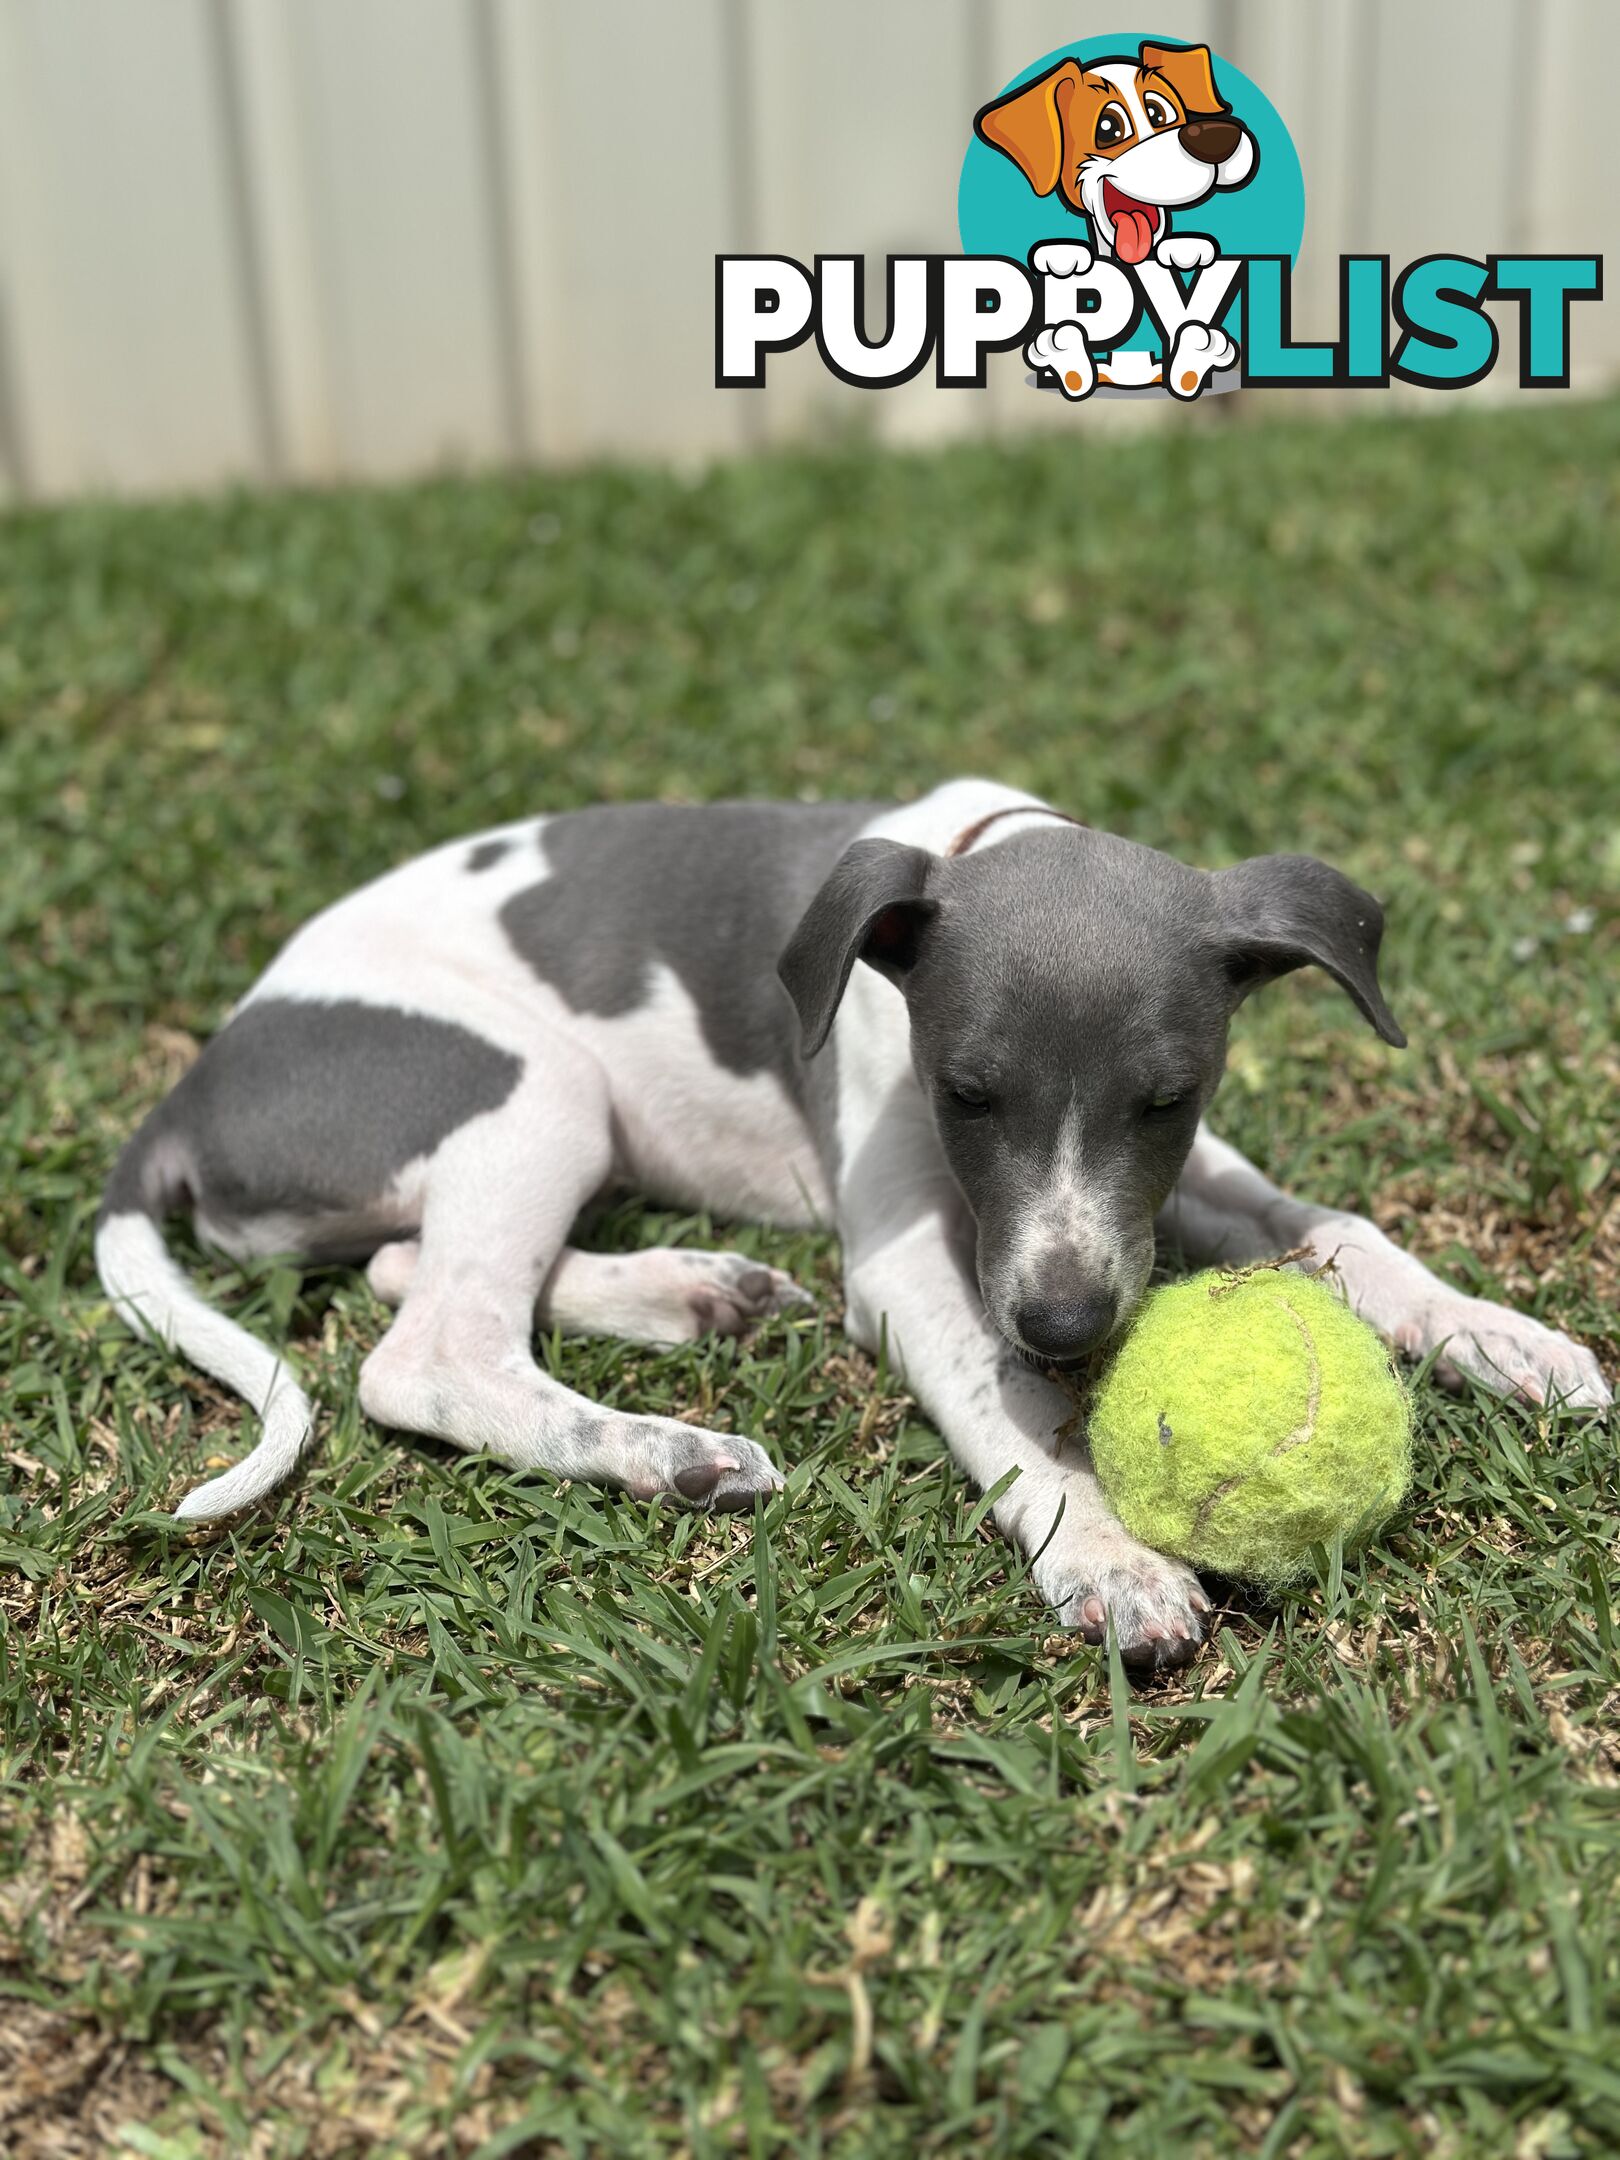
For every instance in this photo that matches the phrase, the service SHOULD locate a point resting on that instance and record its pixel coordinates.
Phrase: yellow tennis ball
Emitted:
(1248, 1417)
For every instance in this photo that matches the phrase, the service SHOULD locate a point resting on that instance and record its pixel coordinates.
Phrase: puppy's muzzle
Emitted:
(1212, 142)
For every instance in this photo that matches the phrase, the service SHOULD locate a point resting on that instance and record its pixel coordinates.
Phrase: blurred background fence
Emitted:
(304, 239)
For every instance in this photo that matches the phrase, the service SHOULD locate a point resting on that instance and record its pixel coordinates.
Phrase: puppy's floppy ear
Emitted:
(1187, 69)
(1029, 123)
(871, 908)
(1280, 912)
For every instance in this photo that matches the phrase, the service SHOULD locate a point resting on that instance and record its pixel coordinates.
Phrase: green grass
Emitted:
(436, 1810)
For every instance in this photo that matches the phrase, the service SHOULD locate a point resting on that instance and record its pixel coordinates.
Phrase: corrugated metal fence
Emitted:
(298, 239)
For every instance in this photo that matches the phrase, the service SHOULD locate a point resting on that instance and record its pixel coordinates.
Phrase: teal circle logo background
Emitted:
(999, 213)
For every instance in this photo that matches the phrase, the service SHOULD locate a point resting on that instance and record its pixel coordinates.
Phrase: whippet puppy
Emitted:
(971, 1035)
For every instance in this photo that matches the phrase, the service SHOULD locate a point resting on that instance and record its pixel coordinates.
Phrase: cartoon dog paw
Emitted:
(1185, 251)
(1062, 258)
(1200, 349)
(1064, 350)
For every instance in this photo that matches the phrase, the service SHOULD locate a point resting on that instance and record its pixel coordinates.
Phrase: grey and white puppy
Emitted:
(975, 1038)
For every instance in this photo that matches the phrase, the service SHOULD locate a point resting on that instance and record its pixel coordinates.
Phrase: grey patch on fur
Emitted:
(712, 891)
(309, 1109)
(488, 853)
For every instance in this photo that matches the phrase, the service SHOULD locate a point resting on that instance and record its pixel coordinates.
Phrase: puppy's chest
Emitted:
(689, 1132)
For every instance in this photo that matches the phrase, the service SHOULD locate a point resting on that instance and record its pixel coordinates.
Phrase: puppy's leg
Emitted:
(1224, 1209)
(457, 1363)
(664, 1295)
(915, 1292)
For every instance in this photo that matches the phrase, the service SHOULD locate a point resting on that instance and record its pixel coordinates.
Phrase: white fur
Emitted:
(153, 1298)
(1069, 1219)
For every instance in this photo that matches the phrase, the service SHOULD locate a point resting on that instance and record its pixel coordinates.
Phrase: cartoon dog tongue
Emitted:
(1133, 228)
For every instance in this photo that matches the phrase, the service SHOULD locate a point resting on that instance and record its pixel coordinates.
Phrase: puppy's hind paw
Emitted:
(720, 1472)
(666, 1294)
(726, 1292)
(1199, 351)
(1064, 350)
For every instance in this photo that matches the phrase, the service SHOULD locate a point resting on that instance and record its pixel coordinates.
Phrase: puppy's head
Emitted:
(1068, 997)
(1124, 141)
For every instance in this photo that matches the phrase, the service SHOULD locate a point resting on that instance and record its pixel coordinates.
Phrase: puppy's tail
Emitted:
(152, 1297)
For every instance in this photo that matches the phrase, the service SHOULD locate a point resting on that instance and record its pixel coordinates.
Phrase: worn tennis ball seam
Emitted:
(1305, 1430)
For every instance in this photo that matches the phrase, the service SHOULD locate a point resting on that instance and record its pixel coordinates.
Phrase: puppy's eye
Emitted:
(1159, 114)
(971, 1100)
(1163, 1105)
(1113, 126)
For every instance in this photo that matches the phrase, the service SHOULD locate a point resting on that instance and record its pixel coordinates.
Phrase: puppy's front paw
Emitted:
(1153, 1604)
(1505, 1351)
(1062, 259)
(1185, 251)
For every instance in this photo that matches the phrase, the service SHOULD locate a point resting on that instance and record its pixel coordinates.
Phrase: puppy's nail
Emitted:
(1094, 1611)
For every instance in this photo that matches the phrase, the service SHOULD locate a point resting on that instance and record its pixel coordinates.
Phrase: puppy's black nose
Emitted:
(1211, 141)
(1064, 1330)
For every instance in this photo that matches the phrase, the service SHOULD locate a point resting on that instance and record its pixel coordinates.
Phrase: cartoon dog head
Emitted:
(1124, 142)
